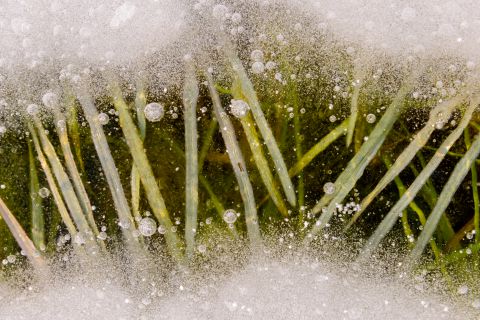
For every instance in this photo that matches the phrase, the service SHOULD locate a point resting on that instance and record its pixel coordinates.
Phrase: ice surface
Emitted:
(121, 31)
(274, 288)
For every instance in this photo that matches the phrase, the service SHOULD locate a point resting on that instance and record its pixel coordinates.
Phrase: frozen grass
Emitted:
(305, 82)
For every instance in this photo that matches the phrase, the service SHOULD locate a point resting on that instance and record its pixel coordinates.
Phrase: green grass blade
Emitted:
(109, 168)
(190, 97)
(262, 163)
(207, 142)
(354, 105)
(387, 223)
(203, 181)
(251, 96)
(238, 164)
(22, 238)
(421, 215)
(60, 125)
(445, 230)
(38, 220)
(74, 132)
(140, 102)
(440, 113)
(57, 197)
(476, 201)
(323, 144)
(66, 187)
(355, 168)
(454, 181)
(152, 191)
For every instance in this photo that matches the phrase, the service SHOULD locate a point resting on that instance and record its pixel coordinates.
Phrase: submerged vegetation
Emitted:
(261, 132)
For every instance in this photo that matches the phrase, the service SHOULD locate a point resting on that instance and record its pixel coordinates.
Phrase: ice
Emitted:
(289, 286)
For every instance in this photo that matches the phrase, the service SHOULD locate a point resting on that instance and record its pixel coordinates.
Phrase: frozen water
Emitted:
(296, 287)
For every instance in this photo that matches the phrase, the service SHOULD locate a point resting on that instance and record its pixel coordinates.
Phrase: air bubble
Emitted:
(463, 289)
(103, 118)
(161, 229)
(236, 17)
(332, 118)
(50, 99)
(43, 192)
(329, 188)
(258, 67)
(202, 248)
(147, 227)
(239, 108)
(154, 112)
(219, 11)
(32, 109)
(270, 65)
(257, 55)
(230, 216)
(371, 118)
(102, 236)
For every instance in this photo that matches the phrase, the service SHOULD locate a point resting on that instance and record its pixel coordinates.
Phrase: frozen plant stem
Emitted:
(190, 97)
(250, 95)
(66, 187)
(387, 223)
(445, 198)
(140, 102)
(238, 164)
(155, 198)
(111, 173)
(62, 209)
(38, 221)
(355, 168)
(60, 125)
(476, 202)
(22, 238)
(261, 161)
(439, 114)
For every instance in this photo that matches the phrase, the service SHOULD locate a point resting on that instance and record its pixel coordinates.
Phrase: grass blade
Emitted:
(249, 92)
(387, 223)
(476, 201)
(203, 181)
(262, 163)
(440, 113)
(140, 102)
(38, 220)
(358, 81)
(60, 125)
(66, 187)
(155, 198)
(355, 168)
(109, 168)
(190, 97)
(21, 237)
(238, 164)
(62, 209)
(445, 198)
(318, 148)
